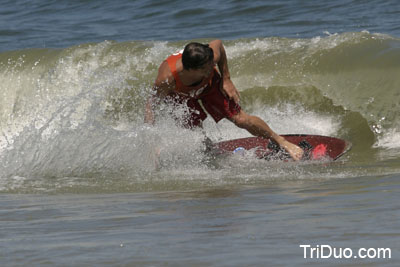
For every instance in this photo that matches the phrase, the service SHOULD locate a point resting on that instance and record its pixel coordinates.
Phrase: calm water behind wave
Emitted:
(29, 24)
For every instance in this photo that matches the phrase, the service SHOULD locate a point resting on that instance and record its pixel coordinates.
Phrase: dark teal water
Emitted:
(44, 24)
(78, 183)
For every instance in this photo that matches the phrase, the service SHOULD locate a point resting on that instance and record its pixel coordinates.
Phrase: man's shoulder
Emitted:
(165, 75)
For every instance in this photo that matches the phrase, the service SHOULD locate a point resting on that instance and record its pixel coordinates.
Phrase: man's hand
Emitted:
(229, 90)
(295, 151)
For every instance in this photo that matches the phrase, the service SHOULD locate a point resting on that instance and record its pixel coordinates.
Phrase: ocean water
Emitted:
(79, 181)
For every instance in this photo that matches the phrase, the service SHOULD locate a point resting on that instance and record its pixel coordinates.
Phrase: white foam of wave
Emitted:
(60, 92)
(389, 140)
(273, 45)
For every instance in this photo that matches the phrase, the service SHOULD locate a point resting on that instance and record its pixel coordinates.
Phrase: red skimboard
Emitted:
(316, 147)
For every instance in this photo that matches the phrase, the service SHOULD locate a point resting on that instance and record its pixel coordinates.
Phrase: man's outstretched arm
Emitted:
(220, 58)
(256, 126)
(163, 85)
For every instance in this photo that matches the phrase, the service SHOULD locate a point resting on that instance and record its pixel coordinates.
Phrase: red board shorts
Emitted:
(213, 101)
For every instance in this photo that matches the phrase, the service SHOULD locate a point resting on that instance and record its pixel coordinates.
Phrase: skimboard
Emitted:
(316, 147)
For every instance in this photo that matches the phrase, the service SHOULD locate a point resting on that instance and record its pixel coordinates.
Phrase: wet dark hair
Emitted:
(195, 55)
